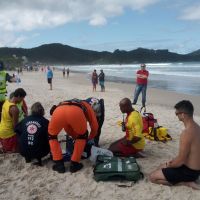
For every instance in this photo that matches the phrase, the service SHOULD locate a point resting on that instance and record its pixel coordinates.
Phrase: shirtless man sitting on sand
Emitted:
(184, 169)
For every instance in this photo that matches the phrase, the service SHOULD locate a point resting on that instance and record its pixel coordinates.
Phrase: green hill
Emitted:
(64, 54)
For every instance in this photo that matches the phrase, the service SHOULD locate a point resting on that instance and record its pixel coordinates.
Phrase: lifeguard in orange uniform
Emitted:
(73, 119)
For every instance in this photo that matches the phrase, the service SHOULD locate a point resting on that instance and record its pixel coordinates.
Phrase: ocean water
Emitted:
(179, 77)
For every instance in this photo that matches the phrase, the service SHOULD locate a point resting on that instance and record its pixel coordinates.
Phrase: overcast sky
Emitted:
(102, 24)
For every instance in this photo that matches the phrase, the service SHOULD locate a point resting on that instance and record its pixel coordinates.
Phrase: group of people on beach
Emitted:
(141, 83)
(64, 71)
(34, 136)
(98, 78)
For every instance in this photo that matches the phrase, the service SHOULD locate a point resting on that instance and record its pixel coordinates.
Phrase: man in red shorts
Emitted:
(73, 118)
(10, 116)
(134, 141)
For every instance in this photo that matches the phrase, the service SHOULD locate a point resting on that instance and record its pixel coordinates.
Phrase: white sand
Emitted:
(19, 180)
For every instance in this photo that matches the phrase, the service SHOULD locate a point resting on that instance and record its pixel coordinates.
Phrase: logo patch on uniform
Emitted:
(32, 129)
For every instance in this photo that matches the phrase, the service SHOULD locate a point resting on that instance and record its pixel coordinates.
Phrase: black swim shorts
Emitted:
(180, 174)
(49, 80)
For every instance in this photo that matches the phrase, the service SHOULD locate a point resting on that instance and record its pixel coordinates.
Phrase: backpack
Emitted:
(148, 121)
(115, 168)
(158, 133)
(152, 130)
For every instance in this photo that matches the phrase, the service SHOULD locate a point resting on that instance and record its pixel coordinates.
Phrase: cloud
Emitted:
(191, 13)
(11, 39)
(23, 15)
(98, 21)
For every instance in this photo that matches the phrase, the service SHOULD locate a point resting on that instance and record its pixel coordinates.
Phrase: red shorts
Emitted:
(127, 150)
(9, 144)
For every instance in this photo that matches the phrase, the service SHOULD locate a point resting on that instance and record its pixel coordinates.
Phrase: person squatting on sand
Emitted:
(73, 118)
(4, 77)
(141, 84)
(134, 141)
(184, 169)
(9, 119)
(32, 134)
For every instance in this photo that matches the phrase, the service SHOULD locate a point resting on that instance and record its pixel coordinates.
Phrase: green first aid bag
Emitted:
(115, 168)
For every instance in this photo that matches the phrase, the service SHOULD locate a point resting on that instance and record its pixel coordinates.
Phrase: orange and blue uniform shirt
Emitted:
(73, 120)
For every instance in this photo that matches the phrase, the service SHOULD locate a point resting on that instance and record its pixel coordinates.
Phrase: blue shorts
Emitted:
(101, 83)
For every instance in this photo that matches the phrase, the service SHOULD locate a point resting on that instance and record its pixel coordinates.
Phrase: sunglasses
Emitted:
(178, 113)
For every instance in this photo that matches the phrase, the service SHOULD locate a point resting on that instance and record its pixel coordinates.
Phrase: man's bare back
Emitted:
(192, 132)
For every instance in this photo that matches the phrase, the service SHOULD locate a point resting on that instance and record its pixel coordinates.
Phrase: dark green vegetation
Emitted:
(63, 54)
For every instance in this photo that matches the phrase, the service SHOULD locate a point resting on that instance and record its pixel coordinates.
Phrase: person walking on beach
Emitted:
(63, 72)
(102, 80)
(94, 80)
(49, 76)
(68, 72)
(184, 169)
(10, 116)
(141, 85)
(32, 132)
(134, 141)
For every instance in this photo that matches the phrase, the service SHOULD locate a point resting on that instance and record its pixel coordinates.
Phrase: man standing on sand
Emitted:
(184, 169)
(94, 80)
(101, 80)
(141, 84)
(49, 76)
(68, 72)
(63, 72)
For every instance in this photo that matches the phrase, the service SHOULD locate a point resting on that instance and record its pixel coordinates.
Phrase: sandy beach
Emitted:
(19, 180)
